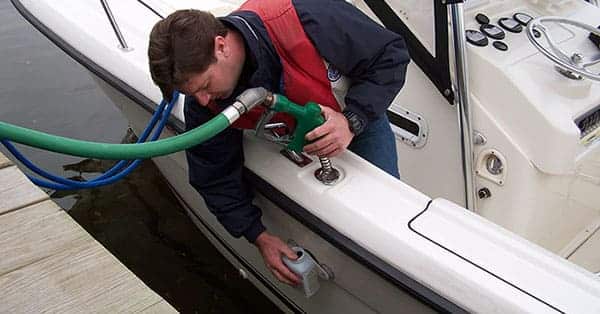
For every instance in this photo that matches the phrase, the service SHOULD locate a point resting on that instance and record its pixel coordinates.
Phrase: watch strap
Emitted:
(355, 123)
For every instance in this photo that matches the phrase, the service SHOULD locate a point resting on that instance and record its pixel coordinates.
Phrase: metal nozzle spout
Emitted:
(252, 97)
(247, 100)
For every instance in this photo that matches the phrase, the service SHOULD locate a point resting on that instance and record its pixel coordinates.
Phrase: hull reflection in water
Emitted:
(141, 223)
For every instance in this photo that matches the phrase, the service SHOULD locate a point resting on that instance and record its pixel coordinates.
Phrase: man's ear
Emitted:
(221, 47)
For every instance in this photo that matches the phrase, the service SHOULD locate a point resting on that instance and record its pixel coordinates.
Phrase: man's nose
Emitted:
(203, 98)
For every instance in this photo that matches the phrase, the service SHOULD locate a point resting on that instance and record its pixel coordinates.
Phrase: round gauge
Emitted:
(492, 31)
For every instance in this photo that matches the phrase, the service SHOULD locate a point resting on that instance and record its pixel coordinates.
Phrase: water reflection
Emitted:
(140, 222)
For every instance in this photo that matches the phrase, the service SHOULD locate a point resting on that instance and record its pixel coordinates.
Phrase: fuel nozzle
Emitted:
(308, 117)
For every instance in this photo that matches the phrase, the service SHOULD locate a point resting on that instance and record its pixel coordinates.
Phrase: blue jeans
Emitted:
(377, 144)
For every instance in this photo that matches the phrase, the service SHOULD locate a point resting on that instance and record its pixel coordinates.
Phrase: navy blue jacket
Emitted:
(374, 58)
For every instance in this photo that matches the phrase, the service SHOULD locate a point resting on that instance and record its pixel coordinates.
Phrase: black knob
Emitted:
(484, 193)
(482, 18)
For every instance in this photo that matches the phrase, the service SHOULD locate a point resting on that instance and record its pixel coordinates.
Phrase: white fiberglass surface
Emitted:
(514, 260)
(419, 16)
(217, 7)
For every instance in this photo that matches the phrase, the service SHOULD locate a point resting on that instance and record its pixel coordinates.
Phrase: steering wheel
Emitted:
(575, 63)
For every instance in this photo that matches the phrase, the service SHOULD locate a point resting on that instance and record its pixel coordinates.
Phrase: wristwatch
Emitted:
(356, 124)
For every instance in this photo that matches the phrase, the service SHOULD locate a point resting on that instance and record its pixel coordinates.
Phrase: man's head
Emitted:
(195, 53)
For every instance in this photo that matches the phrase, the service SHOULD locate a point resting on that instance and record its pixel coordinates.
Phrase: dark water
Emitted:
(138, 219)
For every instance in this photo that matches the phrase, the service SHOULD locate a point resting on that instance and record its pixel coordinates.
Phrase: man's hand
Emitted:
(332, 137)
(272, 249)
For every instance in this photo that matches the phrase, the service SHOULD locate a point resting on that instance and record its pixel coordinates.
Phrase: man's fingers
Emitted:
(321, 143)
(331, 138)
(285, 272)
(334, 151)
(323, 129)
(325, 151)
(318, 132)
(281, 278)
(272, 249)
(326, 112)
(324, 146)
(289, 253)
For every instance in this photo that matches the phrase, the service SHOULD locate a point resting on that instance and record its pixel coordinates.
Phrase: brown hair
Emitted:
(180, 45)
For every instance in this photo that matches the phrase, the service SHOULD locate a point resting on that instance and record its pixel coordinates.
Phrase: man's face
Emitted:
(210, 85)
(219, 79)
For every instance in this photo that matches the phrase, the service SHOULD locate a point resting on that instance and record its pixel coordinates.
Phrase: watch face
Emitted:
(356, 125)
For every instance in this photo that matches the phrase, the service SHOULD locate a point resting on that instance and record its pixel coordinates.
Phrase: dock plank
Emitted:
(48, 263)
(55, 266)
(80, 279)
(16, 191)
(159, 308)
(4, 162)
(34, 233)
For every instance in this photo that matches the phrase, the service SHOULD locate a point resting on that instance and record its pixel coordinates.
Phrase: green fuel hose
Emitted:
(244, 102)
(308, 117)
(97, 150)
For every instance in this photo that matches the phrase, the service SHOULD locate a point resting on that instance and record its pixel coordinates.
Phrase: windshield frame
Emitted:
(437, 68)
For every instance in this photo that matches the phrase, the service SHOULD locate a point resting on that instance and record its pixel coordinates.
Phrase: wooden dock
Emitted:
(48, 263)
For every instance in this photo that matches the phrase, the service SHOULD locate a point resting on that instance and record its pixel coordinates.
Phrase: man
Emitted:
(299, 48)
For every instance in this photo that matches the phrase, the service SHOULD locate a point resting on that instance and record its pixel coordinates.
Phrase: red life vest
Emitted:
(304, 72)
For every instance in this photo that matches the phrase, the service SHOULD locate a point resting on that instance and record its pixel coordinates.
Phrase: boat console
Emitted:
(541, 120)
(550, 103)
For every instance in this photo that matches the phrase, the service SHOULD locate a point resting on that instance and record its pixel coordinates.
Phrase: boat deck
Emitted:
(48, 263)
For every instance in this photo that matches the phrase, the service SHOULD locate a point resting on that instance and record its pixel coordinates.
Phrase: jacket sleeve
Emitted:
(215, 171)
(374, 58)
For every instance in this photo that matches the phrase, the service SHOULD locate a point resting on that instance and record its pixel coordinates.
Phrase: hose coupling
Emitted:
(252, 97)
